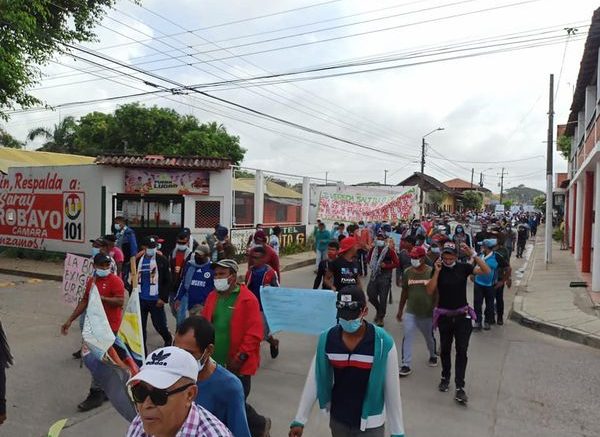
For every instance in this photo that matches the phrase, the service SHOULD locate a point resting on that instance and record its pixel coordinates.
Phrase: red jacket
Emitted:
(271, 258)
(246, 328)
(390, 262)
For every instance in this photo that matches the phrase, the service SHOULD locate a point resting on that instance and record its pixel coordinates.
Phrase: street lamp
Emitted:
(423, 166)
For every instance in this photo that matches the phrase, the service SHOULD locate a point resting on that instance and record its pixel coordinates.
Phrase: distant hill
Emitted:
(522, 194)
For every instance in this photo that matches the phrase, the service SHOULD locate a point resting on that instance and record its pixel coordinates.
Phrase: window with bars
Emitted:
(208, 213)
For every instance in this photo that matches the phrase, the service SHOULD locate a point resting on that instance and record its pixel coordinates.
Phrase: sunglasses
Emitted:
(348, 305)
(159, 397)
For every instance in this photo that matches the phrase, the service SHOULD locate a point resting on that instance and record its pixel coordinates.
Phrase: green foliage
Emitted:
(522, 195)
(437, 198)
(31, 33)
(137, 129)
(539, 201)
(472, 200)
(7, 140)
(293, 248)
(36, 255)
(60, 139)
(564, 146)
(507, 204)
(558, 234)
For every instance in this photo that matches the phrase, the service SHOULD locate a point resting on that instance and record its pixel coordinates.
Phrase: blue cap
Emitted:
(490, 243)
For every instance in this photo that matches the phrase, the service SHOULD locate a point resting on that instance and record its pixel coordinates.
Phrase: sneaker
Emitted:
(461, 397)
(486, 326)
(500, 321)
(95, 399)
(433, 362)
(444, 385)
(267, 432)
(274, 348)
(405, 371)
(77, 354)
(493, 322)
(477, 327)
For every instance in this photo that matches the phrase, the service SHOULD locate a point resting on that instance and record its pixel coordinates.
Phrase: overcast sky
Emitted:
(492, 107)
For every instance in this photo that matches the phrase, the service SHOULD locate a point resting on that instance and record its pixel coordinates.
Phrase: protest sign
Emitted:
(299, 310)
(96, 332)
(76, 273)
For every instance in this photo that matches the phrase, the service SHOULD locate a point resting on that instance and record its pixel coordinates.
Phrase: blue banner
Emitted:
(304, 311)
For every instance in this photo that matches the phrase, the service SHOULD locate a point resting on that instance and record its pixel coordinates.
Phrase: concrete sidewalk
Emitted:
(54, 270)
(545, 302)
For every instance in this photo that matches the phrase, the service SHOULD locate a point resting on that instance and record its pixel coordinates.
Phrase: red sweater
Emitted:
(246, 328)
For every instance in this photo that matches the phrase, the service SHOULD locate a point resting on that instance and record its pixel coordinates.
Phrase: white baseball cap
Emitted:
(165, 366)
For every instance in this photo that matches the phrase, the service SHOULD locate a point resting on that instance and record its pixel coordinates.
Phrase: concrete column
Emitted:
(588, 210)
(596, 255)
(579, 219)
(228, 206)
(259, 197)
(305, 200)
(572, 206)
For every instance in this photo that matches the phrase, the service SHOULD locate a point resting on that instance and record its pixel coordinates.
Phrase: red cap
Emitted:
(346, 244)
(418, 252)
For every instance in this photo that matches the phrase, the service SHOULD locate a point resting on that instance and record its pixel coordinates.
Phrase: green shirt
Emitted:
(419, 302)
(222, 323)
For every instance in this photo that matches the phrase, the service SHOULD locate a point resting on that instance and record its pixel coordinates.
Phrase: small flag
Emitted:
(130, 331)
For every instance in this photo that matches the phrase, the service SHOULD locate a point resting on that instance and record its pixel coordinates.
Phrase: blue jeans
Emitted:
(484, 294)
(180, 315)
(321, 255)
(411, 323)
(159, 321)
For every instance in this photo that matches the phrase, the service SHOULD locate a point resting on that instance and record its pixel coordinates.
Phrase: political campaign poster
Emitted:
(154, 181)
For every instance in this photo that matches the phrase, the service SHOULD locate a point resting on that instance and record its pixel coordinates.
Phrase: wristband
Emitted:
(295, 424)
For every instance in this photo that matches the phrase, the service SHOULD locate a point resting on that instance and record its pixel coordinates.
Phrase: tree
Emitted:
(7, 140)
(564, 145)
(31, 33)
(507, 204)
(472, 200)
(60, 139)
(436, 198)
(539, 201)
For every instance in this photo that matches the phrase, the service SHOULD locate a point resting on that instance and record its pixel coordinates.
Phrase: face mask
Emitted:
(201, 363)
(459, 230)
(159, 246)
(451, 265)
(351, 326)
(361, 226)
(95, 251)
(150, 252)
(435, 250)
(117, 227)
(199, 260)
(415, 262)
(102, 273)
(380, 243)
(182, 247)
(222, 284)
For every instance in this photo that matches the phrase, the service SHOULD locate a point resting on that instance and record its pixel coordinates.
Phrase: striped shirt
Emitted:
(351, 372)
(199, 423)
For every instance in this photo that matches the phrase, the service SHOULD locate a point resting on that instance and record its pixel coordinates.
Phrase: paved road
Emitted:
(520, 382)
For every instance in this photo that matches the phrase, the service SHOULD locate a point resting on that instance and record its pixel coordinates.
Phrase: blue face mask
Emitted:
(117, 227)
(351, 326)
(95, 251)
(150, 252)
(101, 273)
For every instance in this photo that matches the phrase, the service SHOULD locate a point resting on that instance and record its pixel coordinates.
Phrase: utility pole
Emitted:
(481, 179)
(549, 197)
(326, 174)
(423, 156)
(385, 172)
(472, 174)
(502, 184)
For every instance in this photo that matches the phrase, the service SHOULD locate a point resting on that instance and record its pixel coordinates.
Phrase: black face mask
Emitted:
(199, 260)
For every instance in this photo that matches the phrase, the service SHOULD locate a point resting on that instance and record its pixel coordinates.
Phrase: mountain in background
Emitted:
(522, 194)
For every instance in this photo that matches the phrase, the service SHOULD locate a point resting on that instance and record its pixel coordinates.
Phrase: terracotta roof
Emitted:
(165, 162)
(459, 183)
(587, 70)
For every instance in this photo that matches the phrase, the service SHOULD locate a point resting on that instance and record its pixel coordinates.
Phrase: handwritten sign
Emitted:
(299, 310)
(77, 271)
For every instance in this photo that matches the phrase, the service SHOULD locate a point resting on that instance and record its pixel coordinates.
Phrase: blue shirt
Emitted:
(128, 244)
(145, 275)
(223, 395)
(256, 281)
(197, 283)
(489, 279)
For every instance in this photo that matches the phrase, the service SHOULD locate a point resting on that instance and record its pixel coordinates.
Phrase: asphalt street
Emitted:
(520, 382)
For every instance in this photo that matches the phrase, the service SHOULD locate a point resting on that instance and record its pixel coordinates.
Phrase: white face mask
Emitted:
(415, 262)
(222, 284)
(182, 247)
(380, 243)
(201, 363)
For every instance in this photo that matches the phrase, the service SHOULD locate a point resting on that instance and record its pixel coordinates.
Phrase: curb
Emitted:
(299, 265)
(523, 318)
(36, 275)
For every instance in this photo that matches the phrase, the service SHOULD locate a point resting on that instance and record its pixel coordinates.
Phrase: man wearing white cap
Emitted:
(164, 391)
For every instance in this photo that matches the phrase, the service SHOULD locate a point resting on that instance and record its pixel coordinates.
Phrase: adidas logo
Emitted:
(158, 358)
